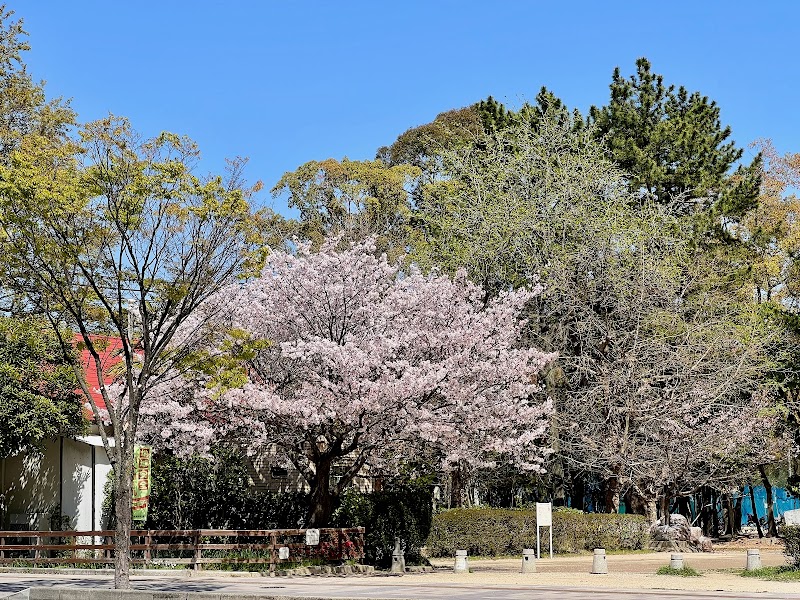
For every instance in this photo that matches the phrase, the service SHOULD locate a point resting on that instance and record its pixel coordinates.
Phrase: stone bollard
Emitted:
(599, 564)
(398, 558)
(753, 559)
(676, 561)
(461, 566)
(528, 560)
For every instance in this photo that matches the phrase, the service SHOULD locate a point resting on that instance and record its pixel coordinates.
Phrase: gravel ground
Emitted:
(626, 571)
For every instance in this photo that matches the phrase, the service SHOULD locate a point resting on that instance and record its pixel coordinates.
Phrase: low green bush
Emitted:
(684, 571)
(781, 573)
(403, 511)
(791, 537)
(503, 531)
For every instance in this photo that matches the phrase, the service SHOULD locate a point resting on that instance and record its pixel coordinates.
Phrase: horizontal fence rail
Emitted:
(191, 547)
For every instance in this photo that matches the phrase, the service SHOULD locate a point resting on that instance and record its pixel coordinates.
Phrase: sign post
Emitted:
(142, 458)
(312, 537)
(544, 518)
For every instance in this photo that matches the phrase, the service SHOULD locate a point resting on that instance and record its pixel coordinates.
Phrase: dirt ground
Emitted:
(627, 571)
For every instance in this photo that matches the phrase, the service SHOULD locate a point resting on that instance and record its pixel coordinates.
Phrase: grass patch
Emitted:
(685, 571)
(782, 573)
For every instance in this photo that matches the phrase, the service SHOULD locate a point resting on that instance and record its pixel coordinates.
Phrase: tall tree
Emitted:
(670, 142)
(363, 366)
(24, 108)
(112, 228)
(637, 317)
(353, 199)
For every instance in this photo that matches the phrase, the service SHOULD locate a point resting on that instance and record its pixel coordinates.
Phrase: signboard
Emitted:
(283, 552)
(312, 537)
(142, 457)
(544, 518)
(544, 514)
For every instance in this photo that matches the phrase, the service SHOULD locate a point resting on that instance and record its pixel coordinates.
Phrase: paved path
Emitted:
(562, 578)
(364, 587)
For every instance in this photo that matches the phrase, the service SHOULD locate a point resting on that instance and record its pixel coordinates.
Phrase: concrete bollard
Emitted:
(528, 560)
(398, 558)
(599, 564)
(753, 559)
(462, 565)
(676, 561)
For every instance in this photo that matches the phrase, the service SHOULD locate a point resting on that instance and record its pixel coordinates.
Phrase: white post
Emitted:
(753, 559)
(599, 564)
(461, 566)
(538, 549)
(551, 540)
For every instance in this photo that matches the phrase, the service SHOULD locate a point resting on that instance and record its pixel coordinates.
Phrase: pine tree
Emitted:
(669, 141)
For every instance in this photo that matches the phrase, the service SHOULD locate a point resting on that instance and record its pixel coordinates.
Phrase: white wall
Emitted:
(33, 485)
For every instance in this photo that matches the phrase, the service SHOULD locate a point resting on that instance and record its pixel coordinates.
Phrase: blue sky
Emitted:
(284, 82)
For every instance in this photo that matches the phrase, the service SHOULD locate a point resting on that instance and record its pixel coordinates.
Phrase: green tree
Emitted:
(115, 235)
(670, 142)
(38, 399)
(643, 324)
(352, 198)
(24, 109)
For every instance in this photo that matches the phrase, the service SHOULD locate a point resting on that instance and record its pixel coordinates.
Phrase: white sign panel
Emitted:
(792, 517)
(544, 514)
(283, 552)
(312, 537)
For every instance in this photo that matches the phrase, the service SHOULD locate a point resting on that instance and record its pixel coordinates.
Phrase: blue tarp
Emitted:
(781, 500)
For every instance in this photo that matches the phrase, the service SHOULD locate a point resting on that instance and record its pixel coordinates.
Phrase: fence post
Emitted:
(37, 553)
(273, 540)
(148, 540)
(197, 551)
(2, 543)
(107, 540)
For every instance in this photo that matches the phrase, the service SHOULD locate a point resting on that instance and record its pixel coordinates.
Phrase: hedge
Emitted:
(500, 531)
(791, 537)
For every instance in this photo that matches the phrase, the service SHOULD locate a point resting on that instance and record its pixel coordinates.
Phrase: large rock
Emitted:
(678, 530)
(679, 535)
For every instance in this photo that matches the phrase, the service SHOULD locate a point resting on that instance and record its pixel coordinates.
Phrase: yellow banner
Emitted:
(142, 458)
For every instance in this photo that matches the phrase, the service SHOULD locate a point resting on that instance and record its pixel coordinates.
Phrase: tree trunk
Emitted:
(665, 502)
(322, 500)
(457, 488)
(772, 529)
(737, 516)
(123, 497)
(727, 504)
(611, 499)
(685, 508)
(714, 514)
(578, 493)
(755, 512)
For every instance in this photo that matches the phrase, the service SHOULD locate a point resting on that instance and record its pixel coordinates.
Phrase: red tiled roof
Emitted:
(108, 349)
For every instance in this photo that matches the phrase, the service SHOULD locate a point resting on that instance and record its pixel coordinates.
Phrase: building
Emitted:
(63, 487)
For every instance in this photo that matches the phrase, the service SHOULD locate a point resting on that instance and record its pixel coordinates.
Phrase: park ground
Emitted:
(630, 576)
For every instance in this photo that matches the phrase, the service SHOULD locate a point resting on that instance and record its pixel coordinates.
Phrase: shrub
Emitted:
(200, 493)
(500, 531)
(791, 537)
(403, 512)
(685, 571)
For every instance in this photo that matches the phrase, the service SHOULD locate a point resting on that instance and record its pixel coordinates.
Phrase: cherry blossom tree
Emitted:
(354, 364)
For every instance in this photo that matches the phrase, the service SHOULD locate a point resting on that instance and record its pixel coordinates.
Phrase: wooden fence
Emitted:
(182, 547)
